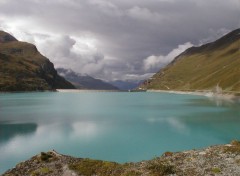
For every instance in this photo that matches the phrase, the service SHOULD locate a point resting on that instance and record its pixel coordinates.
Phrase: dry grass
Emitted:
(23, 68)
(202, 71)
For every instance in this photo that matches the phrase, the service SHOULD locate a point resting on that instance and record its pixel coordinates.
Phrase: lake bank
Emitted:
(218, 159)
(224, 96)
(85, 90)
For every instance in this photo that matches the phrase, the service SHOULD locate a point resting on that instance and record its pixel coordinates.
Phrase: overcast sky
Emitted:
(117, 39)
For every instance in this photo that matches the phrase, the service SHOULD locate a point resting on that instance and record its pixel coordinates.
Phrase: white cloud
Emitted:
(144, 14)
(154, 63)
(79, 54)
(42, 139)
(107, 7)
(138, 77)
(86, 35)
(171, 121)
(84, 129)
(214, 35)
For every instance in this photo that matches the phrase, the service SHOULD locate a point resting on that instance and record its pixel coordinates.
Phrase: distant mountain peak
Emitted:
(84, 81)
(68, 71)
(6, 37)
(126, 84)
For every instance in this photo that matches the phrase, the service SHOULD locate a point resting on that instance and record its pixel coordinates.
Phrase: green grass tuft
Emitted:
(90, 167)
(234, 148)
(216, 170)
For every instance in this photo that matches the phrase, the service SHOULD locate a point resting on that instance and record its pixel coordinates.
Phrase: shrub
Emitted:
(45, 156)
(160, 168)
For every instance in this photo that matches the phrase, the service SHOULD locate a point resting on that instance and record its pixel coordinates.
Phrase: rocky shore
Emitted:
(214, 160)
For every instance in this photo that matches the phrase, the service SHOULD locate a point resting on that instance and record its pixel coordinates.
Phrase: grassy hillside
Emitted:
(23, 68)
(203, 68)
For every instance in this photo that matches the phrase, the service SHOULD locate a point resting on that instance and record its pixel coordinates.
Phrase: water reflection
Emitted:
(21, 141)
(204, 119)
(216, 101)
(8, 131)
(216, 117)
(84, 129)
(172, 122)
(123, 127)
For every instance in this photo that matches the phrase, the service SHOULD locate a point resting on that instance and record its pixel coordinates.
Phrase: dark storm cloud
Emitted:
(118, 39)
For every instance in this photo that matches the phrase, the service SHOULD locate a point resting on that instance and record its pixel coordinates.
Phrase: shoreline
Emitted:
(209, 94)
(85, 90)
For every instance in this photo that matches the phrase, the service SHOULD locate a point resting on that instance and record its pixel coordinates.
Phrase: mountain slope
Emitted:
(216, 64)
(126, 85)
(23, 68)
(85, 82)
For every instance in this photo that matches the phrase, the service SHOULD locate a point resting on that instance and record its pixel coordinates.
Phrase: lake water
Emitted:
(114, 126)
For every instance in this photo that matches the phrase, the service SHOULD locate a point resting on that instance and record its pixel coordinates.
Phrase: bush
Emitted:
(45, 156)
(160, 168)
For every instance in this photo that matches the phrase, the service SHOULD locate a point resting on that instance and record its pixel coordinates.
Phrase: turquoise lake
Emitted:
(114, 126)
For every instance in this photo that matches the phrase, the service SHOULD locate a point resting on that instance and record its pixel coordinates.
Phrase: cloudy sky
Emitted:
(117, 39)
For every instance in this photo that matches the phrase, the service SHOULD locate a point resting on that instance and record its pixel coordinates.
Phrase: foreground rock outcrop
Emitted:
(214, 160)
(23, 68)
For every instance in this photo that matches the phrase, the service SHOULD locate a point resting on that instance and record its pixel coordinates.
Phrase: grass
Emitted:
(234, 148)
(90, 167)
(19, 74)
(23, 68)
(41, 171)
(216, 170)
(161, 168)
(202, 71)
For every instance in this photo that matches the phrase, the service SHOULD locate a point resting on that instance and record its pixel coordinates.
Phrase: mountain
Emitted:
(126, 85)
(23, 68)
(207, 67)
(84, 81)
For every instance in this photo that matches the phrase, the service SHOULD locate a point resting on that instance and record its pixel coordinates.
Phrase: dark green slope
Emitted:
(23, 68)
(203, 68)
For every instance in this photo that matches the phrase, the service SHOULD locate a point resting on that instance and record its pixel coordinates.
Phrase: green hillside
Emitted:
(23, 68)
(203, 68)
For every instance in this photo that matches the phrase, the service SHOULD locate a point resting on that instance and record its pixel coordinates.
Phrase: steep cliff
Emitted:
(23, 68)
